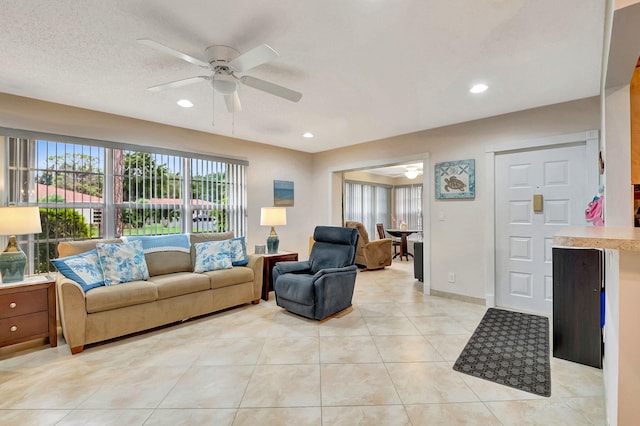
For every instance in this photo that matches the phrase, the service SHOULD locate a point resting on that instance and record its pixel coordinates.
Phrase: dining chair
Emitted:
(394, 241)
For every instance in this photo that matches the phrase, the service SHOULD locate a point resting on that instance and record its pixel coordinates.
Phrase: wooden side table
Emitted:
(28, 311)
(270, 261)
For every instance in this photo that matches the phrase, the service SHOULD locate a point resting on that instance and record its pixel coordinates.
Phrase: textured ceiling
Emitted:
(368, 69)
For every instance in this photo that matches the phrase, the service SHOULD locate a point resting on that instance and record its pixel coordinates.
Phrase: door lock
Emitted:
(537, 203)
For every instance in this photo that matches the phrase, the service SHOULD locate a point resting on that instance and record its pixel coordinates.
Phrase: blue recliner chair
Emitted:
(323, 285)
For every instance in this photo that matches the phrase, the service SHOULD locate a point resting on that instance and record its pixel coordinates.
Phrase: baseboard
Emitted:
(491, 301)
(460, 297)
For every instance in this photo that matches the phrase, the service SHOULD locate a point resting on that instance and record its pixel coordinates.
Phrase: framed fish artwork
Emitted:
(456, 179)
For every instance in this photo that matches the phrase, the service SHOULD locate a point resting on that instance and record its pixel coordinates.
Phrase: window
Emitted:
(91, 190)
(408, 205)
(368, 203)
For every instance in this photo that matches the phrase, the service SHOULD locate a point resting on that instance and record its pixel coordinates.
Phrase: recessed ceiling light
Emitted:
(185, 103)
(308, 135)
(478, 88)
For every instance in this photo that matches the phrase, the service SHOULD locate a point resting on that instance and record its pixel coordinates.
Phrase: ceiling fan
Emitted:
(225, 64)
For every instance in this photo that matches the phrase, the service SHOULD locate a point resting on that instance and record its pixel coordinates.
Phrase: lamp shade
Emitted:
(273, 216)
(20, 220)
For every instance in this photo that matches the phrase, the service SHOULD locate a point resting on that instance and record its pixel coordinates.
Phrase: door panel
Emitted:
(524, 237)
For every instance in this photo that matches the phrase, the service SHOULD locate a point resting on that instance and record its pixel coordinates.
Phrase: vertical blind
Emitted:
(408, 205)
(90, 191)
(367, 203)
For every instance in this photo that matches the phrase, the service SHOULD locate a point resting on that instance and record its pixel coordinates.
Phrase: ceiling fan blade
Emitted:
(233, 102)
(164, 49)
(178, 83)
(254, 57)
(271, 88)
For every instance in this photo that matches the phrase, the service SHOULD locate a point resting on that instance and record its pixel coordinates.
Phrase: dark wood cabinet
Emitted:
(578, 276)
(418, 269)
(28, 311)
(270, 261)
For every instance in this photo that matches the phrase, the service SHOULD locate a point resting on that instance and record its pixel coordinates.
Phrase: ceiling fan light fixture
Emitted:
(412, 173)
(478, 88)
(224, 84)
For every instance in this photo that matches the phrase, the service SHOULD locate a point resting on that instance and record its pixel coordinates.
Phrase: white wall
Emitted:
(457, 243)
(618, 200)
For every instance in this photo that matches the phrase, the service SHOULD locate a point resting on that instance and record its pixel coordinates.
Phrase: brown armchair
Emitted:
(371, 254)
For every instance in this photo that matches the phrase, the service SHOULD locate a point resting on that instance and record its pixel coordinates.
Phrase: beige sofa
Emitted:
(172, 294)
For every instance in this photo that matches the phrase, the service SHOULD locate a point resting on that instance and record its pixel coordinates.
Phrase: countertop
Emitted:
(609, 237)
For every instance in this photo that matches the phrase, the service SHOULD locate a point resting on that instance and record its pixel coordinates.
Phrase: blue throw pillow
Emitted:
(238, 252)
(122, 262)
(212, 255)
(82, 268)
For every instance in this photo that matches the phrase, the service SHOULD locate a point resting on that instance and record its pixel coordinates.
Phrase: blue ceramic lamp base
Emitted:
(272, 244)
(12, 266)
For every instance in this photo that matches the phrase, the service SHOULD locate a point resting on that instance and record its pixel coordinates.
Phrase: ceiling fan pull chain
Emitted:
(213, 103)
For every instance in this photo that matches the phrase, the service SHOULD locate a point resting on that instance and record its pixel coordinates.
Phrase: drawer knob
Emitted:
(12, 305)
(14, 328)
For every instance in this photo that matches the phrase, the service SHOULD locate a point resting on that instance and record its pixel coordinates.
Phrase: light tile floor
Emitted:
(385, 362)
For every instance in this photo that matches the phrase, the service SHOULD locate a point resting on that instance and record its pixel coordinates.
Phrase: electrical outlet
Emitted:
(452, 277)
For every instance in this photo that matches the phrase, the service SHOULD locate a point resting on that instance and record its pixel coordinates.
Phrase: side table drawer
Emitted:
(23, 326)
(23, 302)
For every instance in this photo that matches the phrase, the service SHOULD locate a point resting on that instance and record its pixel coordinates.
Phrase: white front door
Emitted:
(524, 236)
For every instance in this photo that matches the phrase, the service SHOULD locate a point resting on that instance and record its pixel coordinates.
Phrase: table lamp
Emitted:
(16, 221)
(273, 216)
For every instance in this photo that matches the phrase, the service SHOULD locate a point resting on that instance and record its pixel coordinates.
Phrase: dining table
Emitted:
(402, 234)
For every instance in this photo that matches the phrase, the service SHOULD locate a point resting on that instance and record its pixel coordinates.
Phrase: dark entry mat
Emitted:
(509, 348)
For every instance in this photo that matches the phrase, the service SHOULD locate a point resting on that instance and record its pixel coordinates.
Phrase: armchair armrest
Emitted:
(290, 267)
(326, 271)
(333, 289)
(378, 243)
(378, 253)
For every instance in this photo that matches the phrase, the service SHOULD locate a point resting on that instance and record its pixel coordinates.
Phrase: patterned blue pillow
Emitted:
(122, 262)
(213, 255)
(238, 252)
(82, 268)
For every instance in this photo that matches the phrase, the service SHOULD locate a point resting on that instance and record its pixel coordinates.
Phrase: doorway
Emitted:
(337, 185)
(518, 264)
(538, 192)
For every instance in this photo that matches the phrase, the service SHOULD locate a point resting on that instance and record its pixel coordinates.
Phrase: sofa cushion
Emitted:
(122, 262)
(204, 237)
(180, 283)
(69, 248)
(212, 256)
(165, 254)
(167, 262)
(227, 277)
(239, 252)
(82, 268)
(118, 296)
